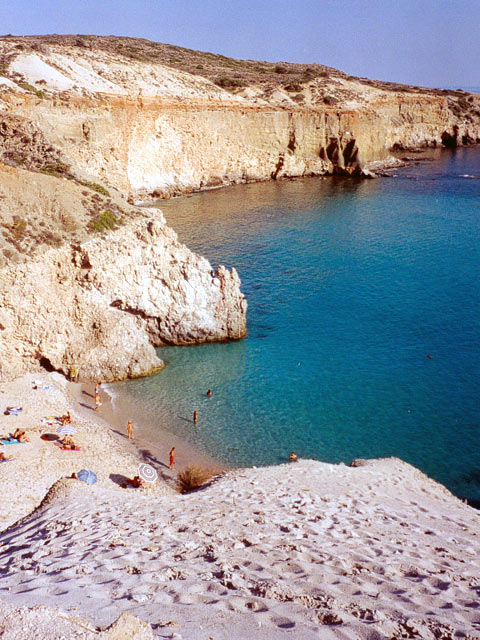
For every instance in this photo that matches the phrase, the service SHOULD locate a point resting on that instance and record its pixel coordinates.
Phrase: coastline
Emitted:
(305, 547)
(104, 447)
(117, 410)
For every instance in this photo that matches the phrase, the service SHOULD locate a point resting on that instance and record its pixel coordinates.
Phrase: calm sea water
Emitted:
(364, 323)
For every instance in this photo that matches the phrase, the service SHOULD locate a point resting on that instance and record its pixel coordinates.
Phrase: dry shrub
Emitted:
(192, 478)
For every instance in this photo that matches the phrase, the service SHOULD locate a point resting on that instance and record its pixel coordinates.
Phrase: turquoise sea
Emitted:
(364, 323)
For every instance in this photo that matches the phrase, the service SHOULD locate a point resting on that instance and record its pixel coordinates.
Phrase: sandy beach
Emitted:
(302, 550)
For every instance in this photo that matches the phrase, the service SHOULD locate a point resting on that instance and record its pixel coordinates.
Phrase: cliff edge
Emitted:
(90, 283)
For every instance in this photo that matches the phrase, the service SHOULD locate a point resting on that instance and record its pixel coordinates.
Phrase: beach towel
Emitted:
(13, 411)
(51, 420)
(12, 441)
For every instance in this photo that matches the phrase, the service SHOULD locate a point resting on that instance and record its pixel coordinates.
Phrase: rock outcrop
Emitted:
(99, 308)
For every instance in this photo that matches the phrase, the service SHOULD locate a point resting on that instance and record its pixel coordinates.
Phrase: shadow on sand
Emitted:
(119, 479)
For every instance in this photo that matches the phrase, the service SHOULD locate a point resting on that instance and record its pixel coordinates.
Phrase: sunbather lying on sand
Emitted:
(3, 457)
(135, 482)
(21, 436)
(68, 443)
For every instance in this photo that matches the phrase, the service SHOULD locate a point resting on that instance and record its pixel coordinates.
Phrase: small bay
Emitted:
(364, 323)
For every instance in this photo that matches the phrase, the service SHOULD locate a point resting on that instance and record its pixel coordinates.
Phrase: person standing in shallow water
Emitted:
(130, 430)
(172, 457)
(98, 402)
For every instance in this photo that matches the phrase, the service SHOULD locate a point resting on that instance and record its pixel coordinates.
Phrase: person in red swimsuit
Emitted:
(172, 457)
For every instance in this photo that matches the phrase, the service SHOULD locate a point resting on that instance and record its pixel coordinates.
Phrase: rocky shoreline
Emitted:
(105, 304)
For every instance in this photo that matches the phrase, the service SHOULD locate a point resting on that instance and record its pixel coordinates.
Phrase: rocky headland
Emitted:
(89, 282)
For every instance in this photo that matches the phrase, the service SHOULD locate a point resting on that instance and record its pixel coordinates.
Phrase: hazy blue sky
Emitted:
(428, 42)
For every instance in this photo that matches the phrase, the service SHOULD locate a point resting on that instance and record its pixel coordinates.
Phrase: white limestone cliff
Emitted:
(100, 307)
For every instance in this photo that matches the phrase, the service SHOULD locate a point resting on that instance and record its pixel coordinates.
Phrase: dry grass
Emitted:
(230, 73)
(227, 72)
(192, 478)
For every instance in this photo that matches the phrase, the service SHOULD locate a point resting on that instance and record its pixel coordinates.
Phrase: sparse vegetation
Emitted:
(192, 478)
(203, 63)
(106, 221)
(31, 89)
(94, 186)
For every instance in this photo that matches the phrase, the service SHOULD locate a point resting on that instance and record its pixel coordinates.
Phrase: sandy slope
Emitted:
(306, 550)
(36, 465)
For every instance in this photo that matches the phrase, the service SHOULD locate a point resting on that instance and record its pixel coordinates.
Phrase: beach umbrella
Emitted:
(66, 430)
(87, 476)
(147, 473)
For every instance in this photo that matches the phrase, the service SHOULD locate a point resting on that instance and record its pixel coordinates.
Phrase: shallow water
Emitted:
(352, 285)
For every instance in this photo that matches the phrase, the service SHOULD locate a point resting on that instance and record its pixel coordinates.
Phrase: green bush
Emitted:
(31, 89)
(19, 227)
(95, 187)
(106, 221)
(229, 83)
(330, 100)
(58, 169)
(293, 86)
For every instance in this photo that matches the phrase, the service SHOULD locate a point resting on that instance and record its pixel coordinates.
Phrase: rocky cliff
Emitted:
(90, 125)
(97, 309)
(128, 112)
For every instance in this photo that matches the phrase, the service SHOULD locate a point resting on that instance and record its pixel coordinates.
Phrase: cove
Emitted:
(364, 323)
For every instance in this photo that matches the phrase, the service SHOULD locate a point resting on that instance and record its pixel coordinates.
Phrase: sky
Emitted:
(432, 43)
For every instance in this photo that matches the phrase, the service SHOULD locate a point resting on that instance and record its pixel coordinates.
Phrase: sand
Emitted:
(302, 550)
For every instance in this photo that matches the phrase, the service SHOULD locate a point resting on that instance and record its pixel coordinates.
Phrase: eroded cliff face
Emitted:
(148, 149)
(87, 126)
(150, 130)
(99, 308)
